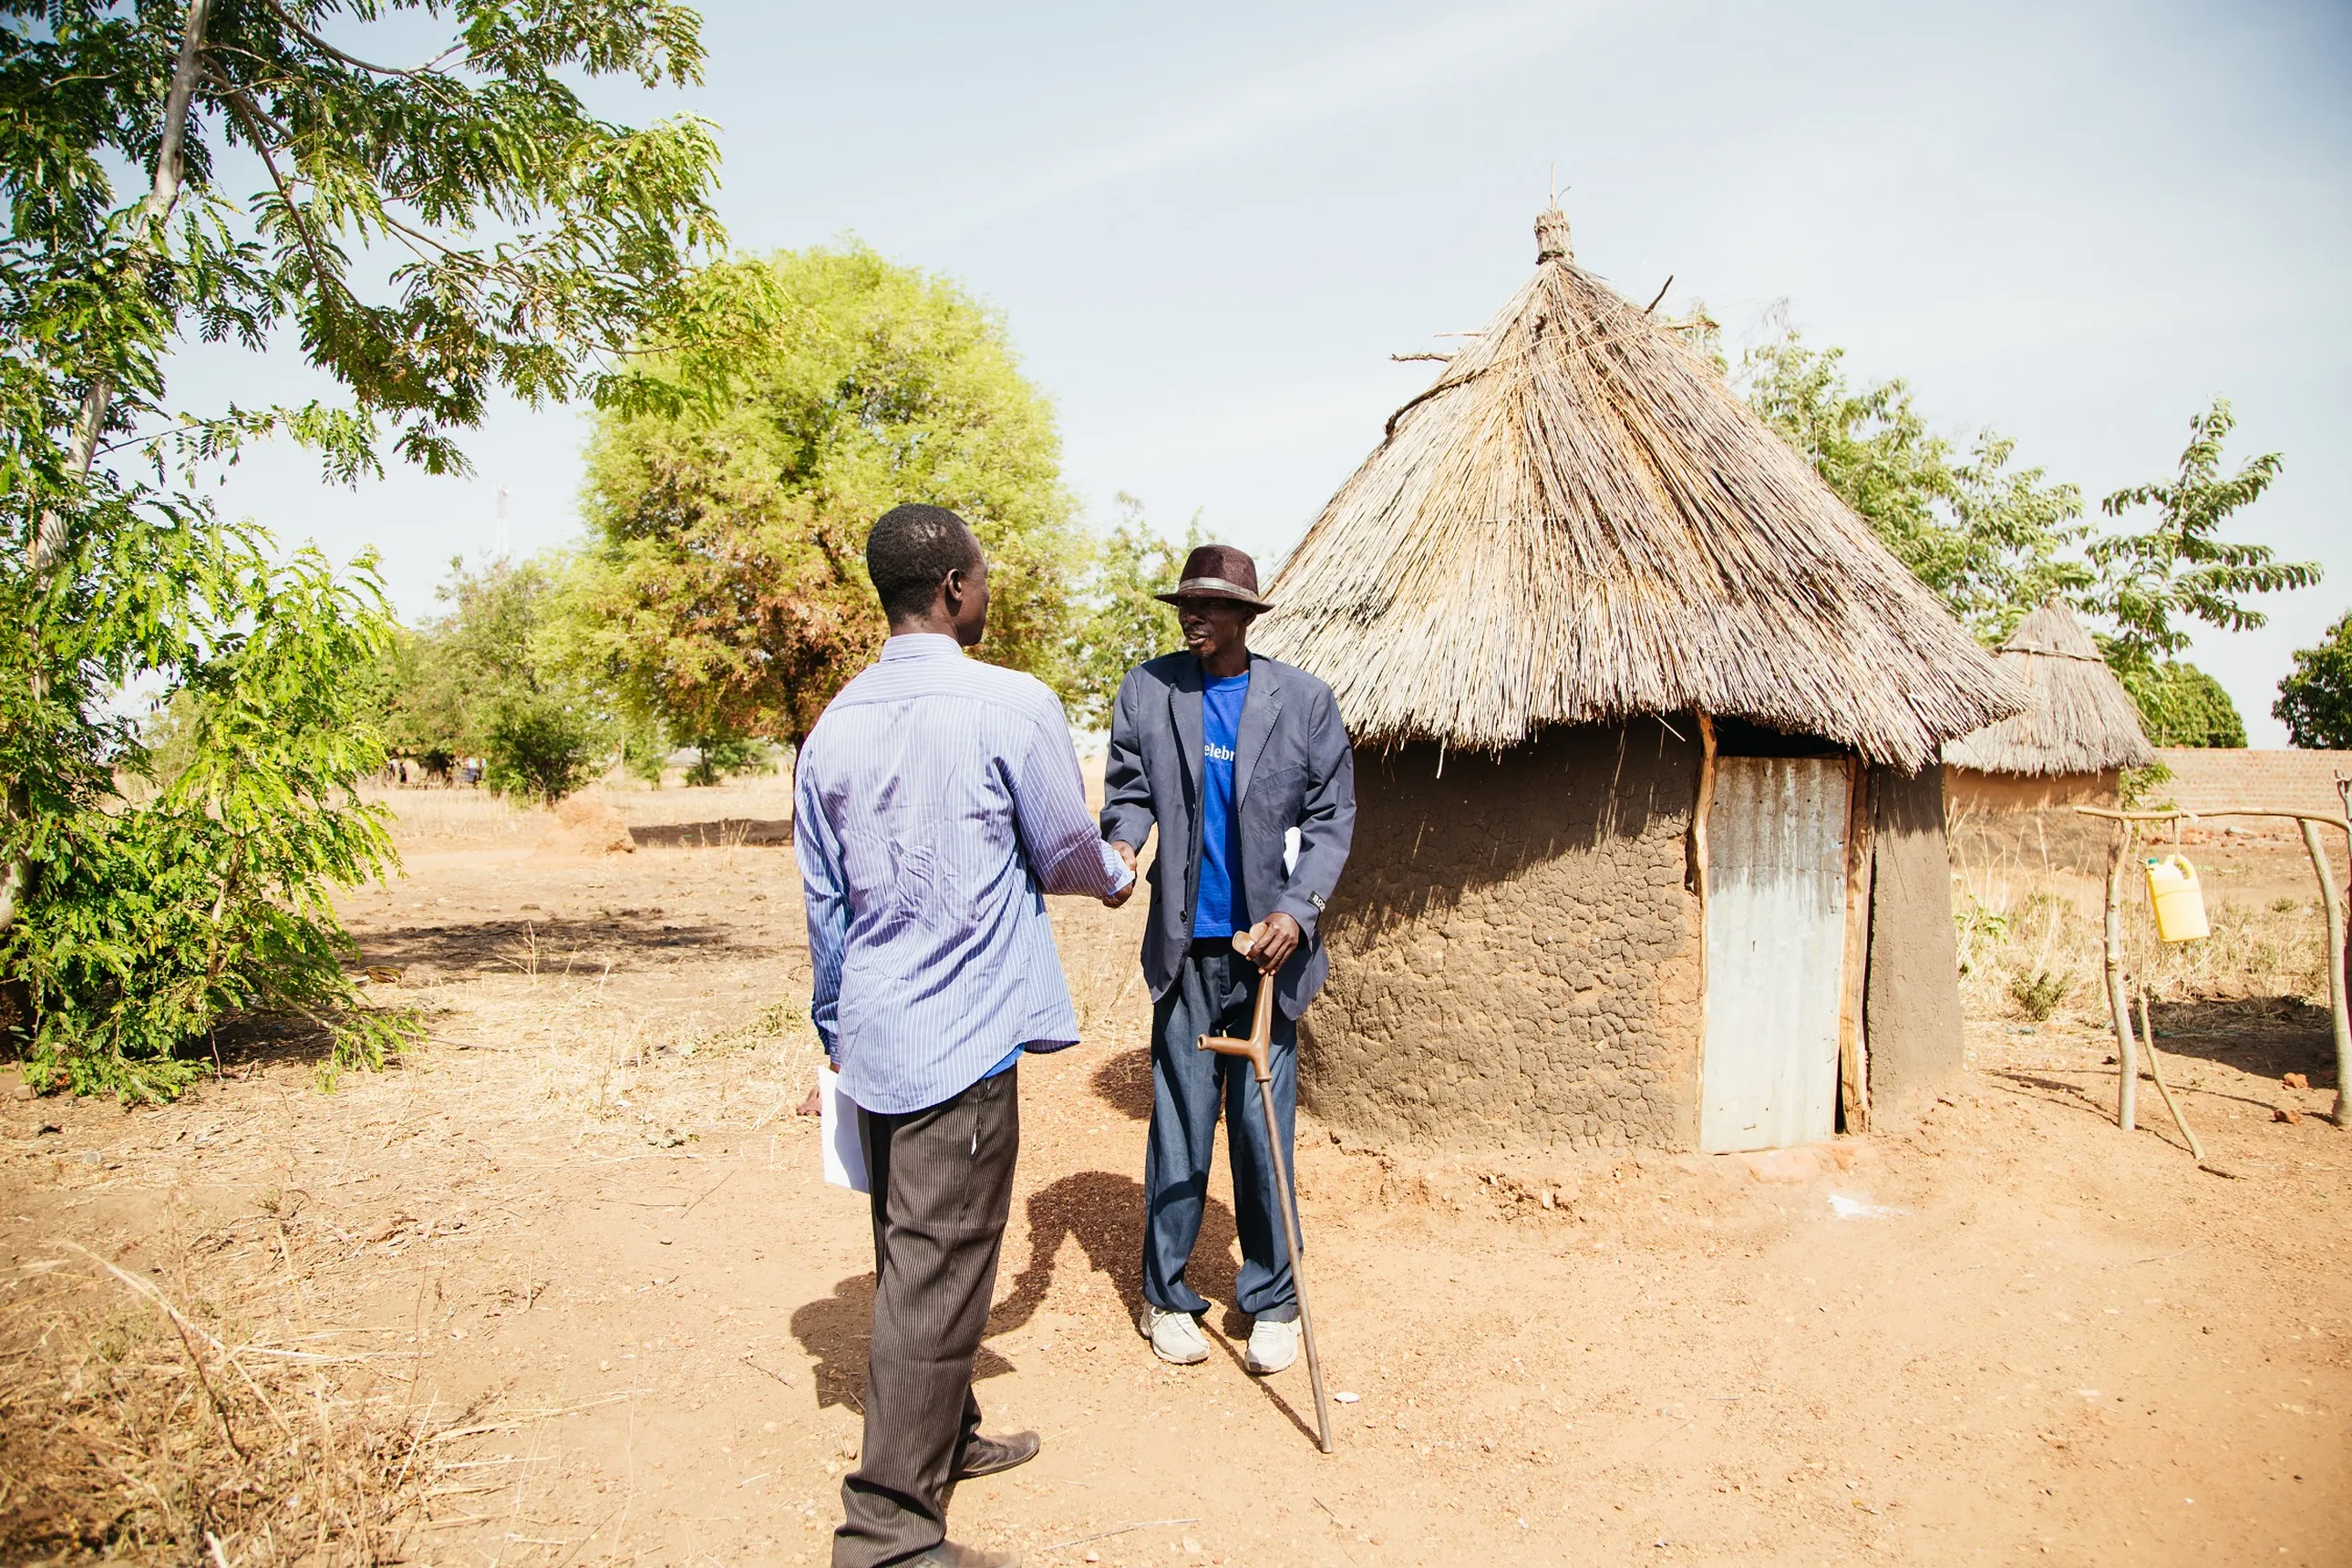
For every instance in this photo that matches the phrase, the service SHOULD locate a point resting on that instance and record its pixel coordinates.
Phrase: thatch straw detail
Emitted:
(1580, 522)
(2082, 720)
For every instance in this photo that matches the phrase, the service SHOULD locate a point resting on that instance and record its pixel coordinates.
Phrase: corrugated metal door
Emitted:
(1775, 951)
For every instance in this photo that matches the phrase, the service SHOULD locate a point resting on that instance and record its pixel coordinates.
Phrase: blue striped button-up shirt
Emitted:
(937, 801)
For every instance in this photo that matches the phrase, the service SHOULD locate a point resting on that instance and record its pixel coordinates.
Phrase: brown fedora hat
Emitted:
(1217, 571)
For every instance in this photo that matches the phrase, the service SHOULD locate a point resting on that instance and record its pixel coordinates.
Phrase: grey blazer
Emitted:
(1292, 769)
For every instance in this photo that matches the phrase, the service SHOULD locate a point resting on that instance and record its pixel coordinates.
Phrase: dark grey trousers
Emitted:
(942, 1185)
(1215, 994)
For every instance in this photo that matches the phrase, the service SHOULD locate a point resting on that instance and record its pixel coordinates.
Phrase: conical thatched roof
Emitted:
(1580, 522)
(2082, 720)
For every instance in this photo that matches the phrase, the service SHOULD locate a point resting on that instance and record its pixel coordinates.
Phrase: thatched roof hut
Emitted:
(2081, 719)
(2010, 789)
(1580, 522)
(1649, 833)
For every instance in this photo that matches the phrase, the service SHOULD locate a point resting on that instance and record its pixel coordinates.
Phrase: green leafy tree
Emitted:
(2180, 568)
(2180, 705)
(1992, 540)
(724, 590)
(361, 252)
(479, 680)
(1120, 623)
(727, 759)
(2315, 701)
(541, 750)
(154, 923)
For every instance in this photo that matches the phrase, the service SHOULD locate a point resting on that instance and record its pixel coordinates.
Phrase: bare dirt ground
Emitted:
(580, 1237)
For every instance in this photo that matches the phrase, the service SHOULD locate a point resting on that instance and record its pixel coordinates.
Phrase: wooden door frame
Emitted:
(1854, 1046)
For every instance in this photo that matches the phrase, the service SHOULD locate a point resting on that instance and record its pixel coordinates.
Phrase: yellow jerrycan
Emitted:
(2178, 902)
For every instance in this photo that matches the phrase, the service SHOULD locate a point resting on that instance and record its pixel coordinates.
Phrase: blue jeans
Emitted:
(1215, 993)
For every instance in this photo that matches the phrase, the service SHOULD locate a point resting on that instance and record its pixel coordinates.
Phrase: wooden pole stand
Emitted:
(2339, 1011)
(2118, 998)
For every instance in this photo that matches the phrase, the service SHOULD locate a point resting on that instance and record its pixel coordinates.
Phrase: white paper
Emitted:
(845, 1152)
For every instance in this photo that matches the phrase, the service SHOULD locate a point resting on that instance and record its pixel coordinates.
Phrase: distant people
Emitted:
(939, 798)
(1243, 766)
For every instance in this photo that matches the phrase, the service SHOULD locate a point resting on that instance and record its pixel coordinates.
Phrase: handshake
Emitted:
(1125, 852)
(1278, 937)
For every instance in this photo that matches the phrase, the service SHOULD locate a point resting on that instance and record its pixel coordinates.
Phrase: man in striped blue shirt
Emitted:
(937, 801)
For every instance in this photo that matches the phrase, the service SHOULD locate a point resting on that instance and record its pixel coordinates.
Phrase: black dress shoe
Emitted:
(948, 1555)
(987, 1455)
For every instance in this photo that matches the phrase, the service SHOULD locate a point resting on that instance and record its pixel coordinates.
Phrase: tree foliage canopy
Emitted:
(479, 680)
(1120, 621)
(1994, 541)
(2314, 700)
(155, 920)
(2180, 705)
(2180, 568)
(427, 235)
(724, 588)
(368, 182)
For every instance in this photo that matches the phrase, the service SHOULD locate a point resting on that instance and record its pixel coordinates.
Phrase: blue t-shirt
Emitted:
(1220, 835)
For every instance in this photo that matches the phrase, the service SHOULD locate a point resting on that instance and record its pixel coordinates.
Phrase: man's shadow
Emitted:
(1104, 1213)
(1123, 1082)
(837, 1332)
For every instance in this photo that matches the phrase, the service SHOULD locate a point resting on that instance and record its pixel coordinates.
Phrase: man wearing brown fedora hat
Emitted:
(1242, 763)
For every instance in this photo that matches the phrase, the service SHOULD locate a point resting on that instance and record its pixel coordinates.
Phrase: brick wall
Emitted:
(2208, 779)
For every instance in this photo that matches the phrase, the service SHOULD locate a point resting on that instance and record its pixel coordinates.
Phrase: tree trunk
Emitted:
(51, 531)
(49, 538)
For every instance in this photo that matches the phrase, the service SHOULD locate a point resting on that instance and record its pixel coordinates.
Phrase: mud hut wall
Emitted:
(2003, 823)
(1966, 791)
(1911, 995)
(1514, 952)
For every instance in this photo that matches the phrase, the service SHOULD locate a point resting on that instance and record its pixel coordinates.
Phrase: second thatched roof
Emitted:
(1580, 522)
(2082, 720)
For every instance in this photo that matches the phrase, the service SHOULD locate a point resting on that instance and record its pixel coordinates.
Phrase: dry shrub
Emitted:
(135, 1428)
(2039, 992)
(2025, 946)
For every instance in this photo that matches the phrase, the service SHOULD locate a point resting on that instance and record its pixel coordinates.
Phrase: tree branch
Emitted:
(244, 109)
(428, 69)
(49, 534)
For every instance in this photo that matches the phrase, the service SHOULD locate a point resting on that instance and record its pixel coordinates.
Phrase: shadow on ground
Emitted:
(722, 833)
(1123, 1082)
(1104, 1215)
(2264, 1036)
(837, 1332)
(551, 947)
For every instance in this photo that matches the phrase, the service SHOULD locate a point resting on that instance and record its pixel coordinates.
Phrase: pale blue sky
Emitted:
(1209, 225)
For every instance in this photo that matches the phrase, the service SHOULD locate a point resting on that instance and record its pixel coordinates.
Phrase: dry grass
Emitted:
(1580, 522)
(2036, 952)
(434, 817)
(138, 1424)
(2082, 720)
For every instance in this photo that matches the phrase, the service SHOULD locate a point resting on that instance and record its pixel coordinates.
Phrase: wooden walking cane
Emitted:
(1255, 1051)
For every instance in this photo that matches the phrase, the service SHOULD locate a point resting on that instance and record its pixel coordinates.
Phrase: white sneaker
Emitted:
(1174, 1336)
(1272, 1346)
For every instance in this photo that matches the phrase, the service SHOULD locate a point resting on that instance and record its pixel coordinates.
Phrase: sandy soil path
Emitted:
(587, 1210)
